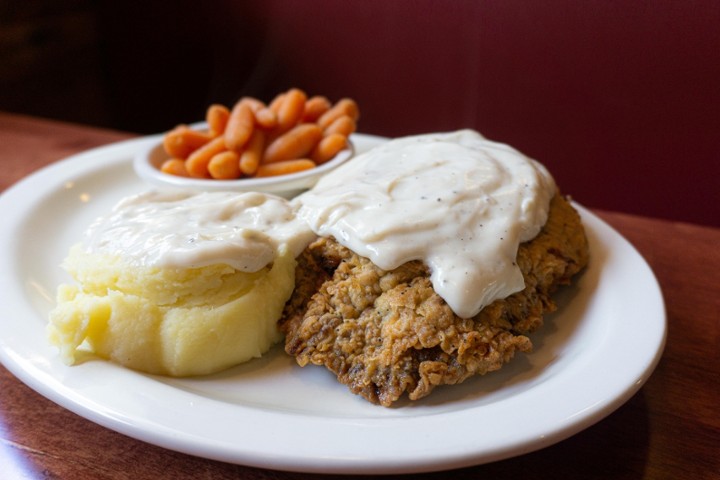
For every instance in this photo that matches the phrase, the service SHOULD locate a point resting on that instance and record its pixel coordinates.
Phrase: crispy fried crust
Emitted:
(384, 333)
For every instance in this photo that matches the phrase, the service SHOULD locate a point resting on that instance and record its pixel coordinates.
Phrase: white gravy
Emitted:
(457, 201)
(180, 229)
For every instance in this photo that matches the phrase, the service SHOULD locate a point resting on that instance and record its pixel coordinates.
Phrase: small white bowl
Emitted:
(147, 166)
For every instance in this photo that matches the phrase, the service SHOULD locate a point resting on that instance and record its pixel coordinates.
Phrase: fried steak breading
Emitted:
(384, 333)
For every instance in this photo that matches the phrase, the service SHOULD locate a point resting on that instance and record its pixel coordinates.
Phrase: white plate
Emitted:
(589, 358)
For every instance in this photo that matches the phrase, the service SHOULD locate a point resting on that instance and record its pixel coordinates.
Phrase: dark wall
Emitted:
(619, 99)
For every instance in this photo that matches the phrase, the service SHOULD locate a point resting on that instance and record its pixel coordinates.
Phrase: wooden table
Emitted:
(669, 430)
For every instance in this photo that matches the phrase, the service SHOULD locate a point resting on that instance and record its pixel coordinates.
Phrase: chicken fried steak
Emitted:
(384, 333)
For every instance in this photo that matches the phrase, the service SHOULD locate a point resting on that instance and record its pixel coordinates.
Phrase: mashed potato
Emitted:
(178, 318)
(202, 321)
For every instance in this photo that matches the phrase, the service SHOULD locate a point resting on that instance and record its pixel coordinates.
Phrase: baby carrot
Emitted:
(276, 102)
(239, 126)
(174, 166)
(328, 147)
(284, 167)
(182, 141)
(345, 106)
(314, 108)
(343, 124)
(252, 155)
(197, 163)
(296, 143)
(291, 109)
(224, 165)
(266, 118)
(217, 117)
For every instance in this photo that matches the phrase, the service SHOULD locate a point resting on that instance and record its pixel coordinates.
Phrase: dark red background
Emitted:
(620, 99)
